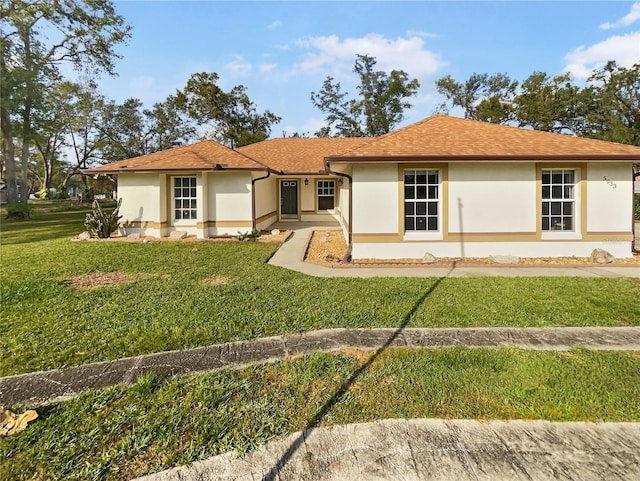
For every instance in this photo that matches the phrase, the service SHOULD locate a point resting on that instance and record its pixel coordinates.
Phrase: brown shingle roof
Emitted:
(205, 155)
(444, 137)
(300, 155)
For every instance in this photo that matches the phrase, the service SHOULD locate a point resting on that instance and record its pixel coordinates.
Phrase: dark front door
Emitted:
(289, 198)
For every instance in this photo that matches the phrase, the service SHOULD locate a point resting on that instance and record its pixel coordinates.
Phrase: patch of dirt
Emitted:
(216, 280)
(92, 280)
(329, 248)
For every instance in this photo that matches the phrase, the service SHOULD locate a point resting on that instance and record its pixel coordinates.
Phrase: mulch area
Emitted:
(328, 248)
(265, 236)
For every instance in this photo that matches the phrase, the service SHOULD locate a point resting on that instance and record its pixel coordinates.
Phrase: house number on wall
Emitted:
(610, 182)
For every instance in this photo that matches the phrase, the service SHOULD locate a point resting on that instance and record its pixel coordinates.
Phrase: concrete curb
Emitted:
(434, 449)
(46, 386)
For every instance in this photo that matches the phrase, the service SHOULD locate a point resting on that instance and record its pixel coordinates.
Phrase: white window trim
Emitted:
(318, 195)
(183, 222)
(421, 235)
(576, 233)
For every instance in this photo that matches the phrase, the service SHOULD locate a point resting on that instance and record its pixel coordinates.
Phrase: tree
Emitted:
(83, 111)
(481, 97)
(613, 104)
(377, 110)
(551, 104)
(234, 118)
(37, 36)
(128, 130)
(50, 129)
(343, 115)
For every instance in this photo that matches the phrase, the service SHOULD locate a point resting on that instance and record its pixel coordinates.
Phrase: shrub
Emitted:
(88, 193)
(18, 210)
(62, 192)
(101, 224)
(252, 236)
(638, 207)
(43, 194)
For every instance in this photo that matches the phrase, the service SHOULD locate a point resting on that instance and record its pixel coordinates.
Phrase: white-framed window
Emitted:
(559, 200)
(184, 198)
(421, 200)
(326, 194)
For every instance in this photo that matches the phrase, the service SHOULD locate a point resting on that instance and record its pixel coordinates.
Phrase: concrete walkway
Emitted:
(434, 450)
(291, 256)
(37, 387)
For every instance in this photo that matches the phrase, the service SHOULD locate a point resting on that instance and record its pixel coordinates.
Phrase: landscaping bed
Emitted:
(330, 249)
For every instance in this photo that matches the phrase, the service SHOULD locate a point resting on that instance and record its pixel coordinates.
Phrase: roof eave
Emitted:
(216, 168)
(314, 172)
(485, 158)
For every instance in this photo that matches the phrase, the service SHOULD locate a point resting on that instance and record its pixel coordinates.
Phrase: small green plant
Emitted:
(637, 204)
(43, 194)
(252, 236)
(18, 210)
(101, 224)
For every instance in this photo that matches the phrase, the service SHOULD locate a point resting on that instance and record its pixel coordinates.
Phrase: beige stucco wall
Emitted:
(375, 198)
(417, 250)
(266, 200)
(142, 204)
(609, 197)
(492, 209)
(229, 203)
(491, 197)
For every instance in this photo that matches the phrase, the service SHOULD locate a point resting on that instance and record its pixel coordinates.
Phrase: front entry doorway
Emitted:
(289, 199)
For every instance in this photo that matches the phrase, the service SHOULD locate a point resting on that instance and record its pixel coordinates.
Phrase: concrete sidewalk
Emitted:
(291, 256)
(435, 450)
(37, 387)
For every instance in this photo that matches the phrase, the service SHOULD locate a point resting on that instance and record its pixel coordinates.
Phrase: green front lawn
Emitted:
(197, 293)
(185, 294)
(123, 432)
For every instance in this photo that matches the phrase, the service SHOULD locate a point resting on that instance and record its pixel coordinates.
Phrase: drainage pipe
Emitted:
(350, 223)
(253, 198)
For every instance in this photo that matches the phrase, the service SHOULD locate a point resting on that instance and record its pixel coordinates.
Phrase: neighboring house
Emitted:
(447, 186)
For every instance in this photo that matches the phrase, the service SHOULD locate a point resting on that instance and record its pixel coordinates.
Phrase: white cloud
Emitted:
(624, 49)
(275, 24)
(419, 33)
(267, 67)
(632, 17)
(310, 127)
(334, 56)
(238, 68)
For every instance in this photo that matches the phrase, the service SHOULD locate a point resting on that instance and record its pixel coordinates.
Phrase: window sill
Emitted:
(550, 235)
(422, 236)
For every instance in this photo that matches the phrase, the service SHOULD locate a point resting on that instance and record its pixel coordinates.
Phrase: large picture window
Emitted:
(421, 200)
(184, 198)
(326, 194)
(558, 200)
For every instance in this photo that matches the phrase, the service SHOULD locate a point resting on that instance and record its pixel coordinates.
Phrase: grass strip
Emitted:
(123, 432)
(186, 294)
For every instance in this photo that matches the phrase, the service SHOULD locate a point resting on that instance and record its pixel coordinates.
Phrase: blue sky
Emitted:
(283, 50)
